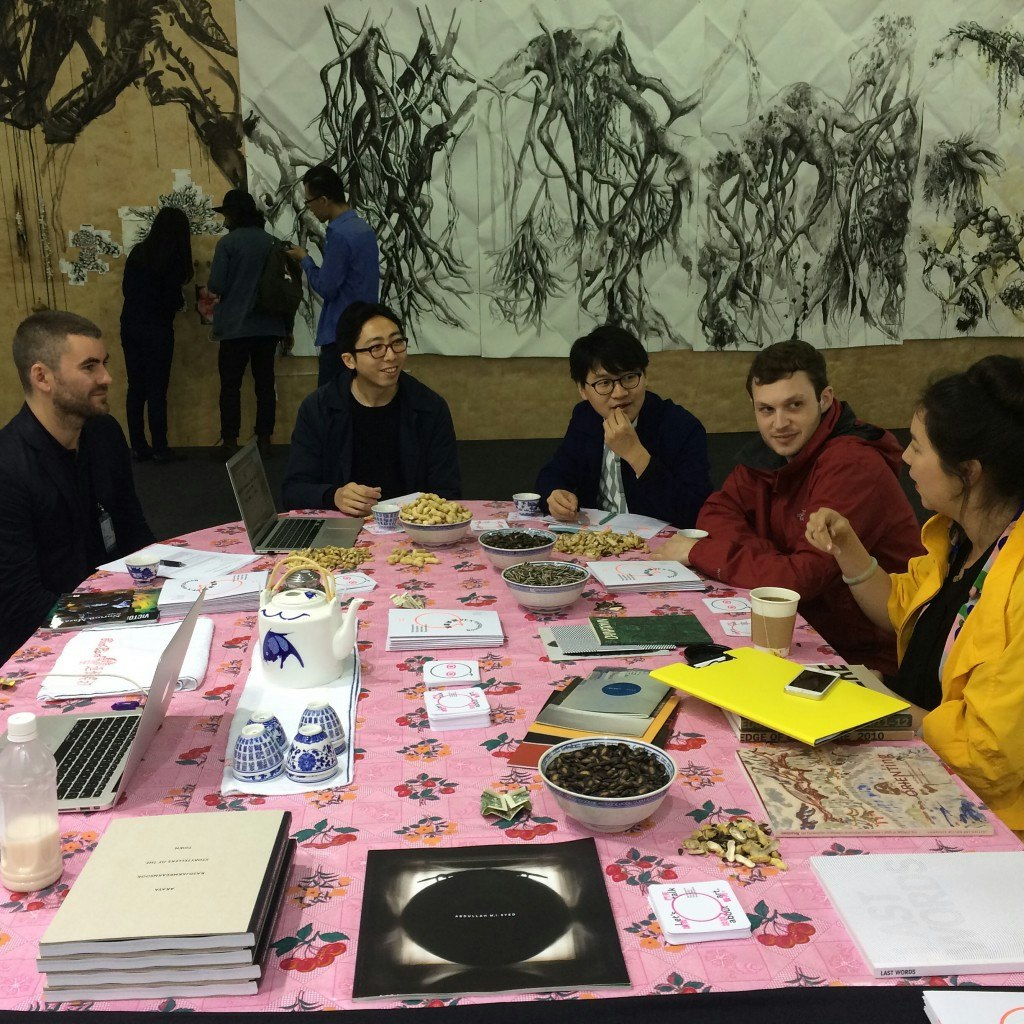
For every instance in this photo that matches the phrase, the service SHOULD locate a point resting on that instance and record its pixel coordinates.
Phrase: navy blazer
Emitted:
(44, 551)
(673, 486)
(320, 457)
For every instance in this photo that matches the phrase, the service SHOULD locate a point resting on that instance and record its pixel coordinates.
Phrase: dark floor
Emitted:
(193, 494)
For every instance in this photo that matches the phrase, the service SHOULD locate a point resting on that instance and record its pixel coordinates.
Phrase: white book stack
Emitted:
(239, 592)
(429, 629)
(465, 708)
(644, 577)
(698, 912)
(969, 1006)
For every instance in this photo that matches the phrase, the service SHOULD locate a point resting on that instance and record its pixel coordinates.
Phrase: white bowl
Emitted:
(502, 558)
(546, 599)
(607, 814)
(435, 536)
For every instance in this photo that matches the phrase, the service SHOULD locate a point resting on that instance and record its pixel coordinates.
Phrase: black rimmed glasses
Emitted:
(378, 351)
(606, 385)
(309, 202)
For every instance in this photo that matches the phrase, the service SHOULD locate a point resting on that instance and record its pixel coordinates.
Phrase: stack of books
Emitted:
(611, 702)
(698, 912)
(428, 629)
(645, 577)
(239, 592)
(171, 906)
(457, 709)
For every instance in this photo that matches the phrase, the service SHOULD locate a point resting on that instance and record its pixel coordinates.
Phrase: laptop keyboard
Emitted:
(293, 533)
(91, 753)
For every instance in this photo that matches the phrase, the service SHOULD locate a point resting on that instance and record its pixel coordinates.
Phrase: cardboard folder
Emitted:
(752, 683)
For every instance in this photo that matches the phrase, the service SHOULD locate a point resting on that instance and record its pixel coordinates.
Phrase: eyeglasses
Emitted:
(398, 346)
(606, 385)
(313, 199)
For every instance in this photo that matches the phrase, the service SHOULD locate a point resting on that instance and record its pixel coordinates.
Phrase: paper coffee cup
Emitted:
(772, 617)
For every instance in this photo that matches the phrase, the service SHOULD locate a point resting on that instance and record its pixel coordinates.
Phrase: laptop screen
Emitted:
(252, 492)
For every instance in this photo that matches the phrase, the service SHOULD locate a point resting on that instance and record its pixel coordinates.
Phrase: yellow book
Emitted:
(752, 684)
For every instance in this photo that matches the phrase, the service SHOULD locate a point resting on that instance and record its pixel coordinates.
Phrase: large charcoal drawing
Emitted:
(808, 208)
(170, 49)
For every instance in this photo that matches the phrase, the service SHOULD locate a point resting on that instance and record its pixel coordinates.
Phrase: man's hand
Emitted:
(677, 549)
(620, 437)
(297, 253)
(563, 505)
(355, 499)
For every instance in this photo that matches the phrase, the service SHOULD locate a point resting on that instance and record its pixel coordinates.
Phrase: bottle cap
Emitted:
(21, 727)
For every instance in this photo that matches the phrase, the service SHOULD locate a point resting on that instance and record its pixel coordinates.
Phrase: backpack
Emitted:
(279, 292)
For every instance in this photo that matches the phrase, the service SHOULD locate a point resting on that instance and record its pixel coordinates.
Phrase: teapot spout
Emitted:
(344, 641)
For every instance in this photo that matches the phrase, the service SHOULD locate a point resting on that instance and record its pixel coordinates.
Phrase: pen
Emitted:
(173, 565)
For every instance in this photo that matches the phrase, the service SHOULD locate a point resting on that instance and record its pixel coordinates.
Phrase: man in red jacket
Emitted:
(813, 452)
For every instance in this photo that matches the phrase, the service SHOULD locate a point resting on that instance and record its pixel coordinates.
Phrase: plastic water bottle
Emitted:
(29, 837)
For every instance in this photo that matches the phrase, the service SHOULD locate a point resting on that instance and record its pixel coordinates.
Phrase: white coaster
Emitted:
(736, 627)
(451, 673)
(727, 605)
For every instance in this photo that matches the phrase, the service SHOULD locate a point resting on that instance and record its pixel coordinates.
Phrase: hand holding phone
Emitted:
(812, 683)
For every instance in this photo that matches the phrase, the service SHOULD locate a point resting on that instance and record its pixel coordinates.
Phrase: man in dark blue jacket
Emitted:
(378, 433)
(67, 498)
(626, 449)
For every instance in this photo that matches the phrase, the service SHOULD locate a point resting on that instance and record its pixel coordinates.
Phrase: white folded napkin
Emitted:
(108, 663)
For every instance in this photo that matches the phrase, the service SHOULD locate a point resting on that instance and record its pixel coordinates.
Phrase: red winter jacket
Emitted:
(756, 526)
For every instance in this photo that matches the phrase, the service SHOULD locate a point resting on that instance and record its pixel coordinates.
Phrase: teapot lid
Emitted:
(299, 598)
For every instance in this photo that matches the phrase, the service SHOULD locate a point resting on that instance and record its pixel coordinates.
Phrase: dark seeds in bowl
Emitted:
(516, 540)
(612, 770)
(545, 574)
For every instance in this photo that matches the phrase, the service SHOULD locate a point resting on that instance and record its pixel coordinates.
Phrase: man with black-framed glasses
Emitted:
(626, 448)
(376, 434)
(350, 269)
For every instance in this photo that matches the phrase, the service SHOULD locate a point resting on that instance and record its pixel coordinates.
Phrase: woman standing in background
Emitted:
(154, 273)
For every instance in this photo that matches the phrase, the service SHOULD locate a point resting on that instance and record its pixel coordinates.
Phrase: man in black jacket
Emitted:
(372, 434)
(67, 497)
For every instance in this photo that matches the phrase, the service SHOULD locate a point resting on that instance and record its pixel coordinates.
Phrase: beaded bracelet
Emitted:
(852, 581)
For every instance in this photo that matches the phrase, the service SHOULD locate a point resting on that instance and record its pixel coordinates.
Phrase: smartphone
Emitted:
(812, 683)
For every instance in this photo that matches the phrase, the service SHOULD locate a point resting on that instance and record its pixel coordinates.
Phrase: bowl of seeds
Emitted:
(508, 547)
(607, 783)
(545, 586)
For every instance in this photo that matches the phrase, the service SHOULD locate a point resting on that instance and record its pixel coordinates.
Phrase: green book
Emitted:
(649, 629)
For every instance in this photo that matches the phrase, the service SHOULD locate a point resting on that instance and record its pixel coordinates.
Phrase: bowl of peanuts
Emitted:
(433, 522)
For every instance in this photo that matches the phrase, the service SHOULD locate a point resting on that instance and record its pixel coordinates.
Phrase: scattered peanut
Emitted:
(335, 558)
(412, 556)
(746, 843)
(431, 510)
(598, 543)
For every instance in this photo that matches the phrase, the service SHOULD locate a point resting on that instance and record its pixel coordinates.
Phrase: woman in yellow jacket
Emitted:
(958, 610)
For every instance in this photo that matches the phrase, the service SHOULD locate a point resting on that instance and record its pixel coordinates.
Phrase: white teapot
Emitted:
(305, 638)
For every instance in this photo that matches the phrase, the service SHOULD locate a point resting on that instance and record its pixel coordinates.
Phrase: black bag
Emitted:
(279, 292)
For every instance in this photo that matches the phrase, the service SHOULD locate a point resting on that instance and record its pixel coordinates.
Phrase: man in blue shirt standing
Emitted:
(350, 271)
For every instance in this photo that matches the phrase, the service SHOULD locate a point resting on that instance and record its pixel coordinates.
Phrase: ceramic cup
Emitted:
(256, 756)
(693, 534)
(386, 516)
(319, 712)
(527, 504)
(272, 727)
(311, 758)
(143, 568)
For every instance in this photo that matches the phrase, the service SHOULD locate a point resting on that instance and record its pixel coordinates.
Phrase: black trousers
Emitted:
(235, 355)
(148, 351)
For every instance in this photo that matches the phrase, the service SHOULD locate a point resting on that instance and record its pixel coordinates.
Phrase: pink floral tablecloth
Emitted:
(416, 788)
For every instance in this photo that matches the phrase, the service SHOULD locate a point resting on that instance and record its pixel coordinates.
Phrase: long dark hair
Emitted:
(979, 414)
(167, 250)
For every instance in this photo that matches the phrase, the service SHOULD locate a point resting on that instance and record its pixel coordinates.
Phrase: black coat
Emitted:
(320, 457)
(50, 539)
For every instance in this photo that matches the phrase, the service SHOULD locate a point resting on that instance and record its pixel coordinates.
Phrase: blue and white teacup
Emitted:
(527, 504)
(272, 727)
(256, 757)
(385, 515)
(143, 568)
(311, 757)
(319, 712)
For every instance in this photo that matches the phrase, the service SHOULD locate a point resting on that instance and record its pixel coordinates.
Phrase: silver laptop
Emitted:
(97, 753)
(269, 532)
